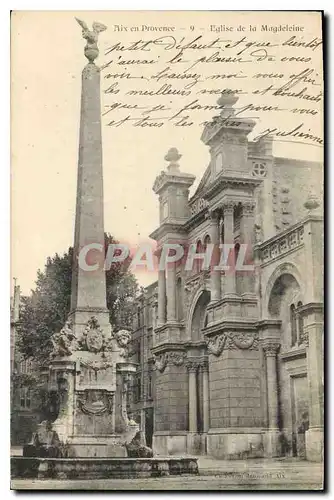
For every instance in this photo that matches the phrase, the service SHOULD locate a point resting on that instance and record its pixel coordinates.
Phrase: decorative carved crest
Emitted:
(95, 402)
(176, 357)
(92, 338)
(231, 341)
(97, 365)
(244, 340)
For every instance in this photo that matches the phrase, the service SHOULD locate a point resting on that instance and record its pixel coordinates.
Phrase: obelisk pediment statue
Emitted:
(91, 49)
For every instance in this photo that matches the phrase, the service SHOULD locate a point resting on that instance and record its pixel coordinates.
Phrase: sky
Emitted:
(47, 60)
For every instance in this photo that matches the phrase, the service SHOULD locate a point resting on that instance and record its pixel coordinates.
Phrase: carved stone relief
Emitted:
(176, 358)
(95, 402)
(232, 341)
(92, 337)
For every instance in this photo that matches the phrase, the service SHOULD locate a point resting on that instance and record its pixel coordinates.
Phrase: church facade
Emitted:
(230, 362)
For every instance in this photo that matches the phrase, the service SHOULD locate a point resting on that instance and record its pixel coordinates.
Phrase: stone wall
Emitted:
(300, 178)
(171, 399)
(235, 389)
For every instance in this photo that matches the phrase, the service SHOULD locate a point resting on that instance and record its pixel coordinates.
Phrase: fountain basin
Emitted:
(101, 468)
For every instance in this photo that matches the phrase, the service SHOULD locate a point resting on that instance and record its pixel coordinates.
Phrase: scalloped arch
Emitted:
(194, 299)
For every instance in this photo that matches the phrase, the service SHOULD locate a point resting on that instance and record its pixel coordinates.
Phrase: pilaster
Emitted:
(312, 315)
(228, 210)
(215, 275)
(247, 238)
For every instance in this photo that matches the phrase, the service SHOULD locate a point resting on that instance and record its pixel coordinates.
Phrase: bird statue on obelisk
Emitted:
(88, 295)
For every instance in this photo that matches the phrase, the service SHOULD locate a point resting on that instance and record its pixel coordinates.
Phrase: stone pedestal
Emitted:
(93, 392)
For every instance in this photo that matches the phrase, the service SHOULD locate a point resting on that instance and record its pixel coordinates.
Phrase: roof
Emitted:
(202, 183)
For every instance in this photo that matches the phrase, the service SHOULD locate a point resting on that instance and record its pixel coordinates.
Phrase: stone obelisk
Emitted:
(88, 297)
(89, 368)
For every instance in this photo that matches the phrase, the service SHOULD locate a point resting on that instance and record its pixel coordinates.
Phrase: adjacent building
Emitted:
(24, 414)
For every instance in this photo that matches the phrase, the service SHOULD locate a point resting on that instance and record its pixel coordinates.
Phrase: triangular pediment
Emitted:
(204, 183)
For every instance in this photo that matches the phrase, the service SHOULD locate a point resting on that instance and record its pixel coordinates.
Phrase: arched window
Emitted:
(237, 217)
(198, 262)
(293, 325)
(207, 241)
(300, 326)
(236, 252)
(179, 299)
(222, 231)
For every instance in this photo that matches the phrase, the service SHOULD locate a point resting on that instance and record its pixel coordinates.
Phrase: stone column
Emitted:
(229, 240)
(161, 298)
(171, 292)
(215, 276)
(89, 288)
(272, 437)
(142, 422)
(192, 369)
(206, 402)
(248, 238)
(313, 339)
(154, 315)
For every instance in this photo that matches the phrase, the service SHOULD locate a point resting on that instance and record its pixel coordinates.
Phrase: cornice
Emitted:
(269, 324)
(293, 354)
(168, 346)
(311, 307)
(195, 219)
(167, 227)
(223, 182)
(235, 326)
